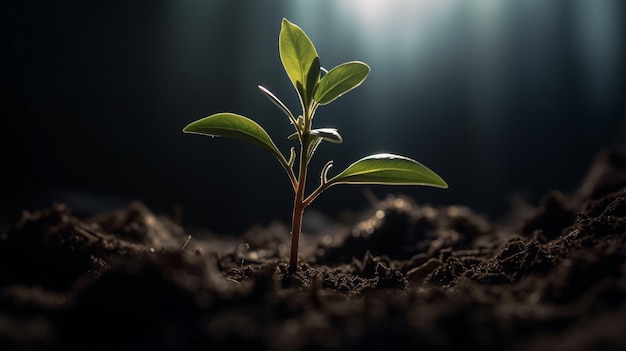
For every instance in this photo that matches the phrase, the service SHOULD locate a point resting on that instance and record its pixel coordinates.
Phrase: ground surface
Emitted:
(405, 276)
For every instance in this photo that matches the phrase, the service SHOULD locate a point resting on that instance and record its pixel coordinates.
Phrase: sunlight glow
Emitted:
(402, 26)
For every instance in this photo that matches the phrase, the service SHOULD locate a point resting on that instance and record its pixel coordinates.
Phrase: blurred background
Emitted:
(502, 98)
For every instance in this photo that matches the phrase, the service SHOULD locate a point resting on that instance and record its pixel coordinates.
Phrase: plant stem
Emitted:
(298, 209)
(296, 228)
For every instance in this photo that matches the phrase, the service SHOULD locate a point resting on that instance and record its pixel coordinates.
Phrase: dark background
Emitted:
(501, 98)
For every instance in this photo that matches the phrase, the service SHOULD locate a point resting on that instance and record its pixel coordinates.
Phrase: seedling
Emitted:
(315, 87)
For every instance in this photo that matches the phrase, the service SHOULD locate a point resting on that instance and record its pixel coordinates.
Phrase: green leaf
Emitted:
(388, 169)
(313, 76)
(340, 80)
(235, 126)
(328, 134)
(296, 53)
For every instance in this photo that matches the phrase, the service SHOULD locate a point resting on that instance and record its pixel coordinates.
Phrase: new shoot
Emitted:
(315, 87)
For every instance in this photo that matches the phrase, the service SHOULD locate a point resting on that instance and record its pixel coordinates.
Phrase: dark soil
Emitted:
(405, 276)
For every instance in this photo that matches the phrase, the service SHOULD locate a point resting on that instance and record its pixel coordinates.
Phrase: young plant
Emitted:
(315, 87)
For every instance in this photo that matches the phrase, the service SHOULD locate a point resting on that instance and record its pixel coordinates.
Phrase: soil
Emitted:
(404, 275)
